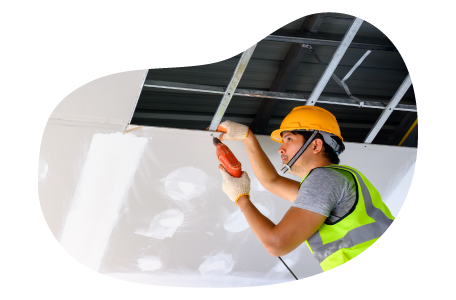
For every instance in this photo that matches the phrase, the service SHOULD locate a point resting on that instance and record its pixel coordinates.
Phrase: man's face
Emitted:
(291, 144)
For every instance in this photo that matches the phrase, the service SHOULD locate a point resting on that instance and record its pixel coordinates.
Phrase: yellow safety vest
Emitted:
(336, 243)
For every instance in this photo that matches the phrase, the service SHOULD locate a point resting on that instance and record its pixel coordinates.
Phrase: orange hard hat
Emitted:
(308, 118)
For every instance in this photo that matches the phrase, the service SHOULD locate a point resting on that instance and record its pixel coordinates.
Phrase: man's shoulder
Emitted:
(333, 174)
(327, 171)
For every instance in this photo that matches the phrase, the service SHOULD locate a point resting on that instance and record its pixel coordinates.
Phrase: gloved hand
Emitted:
(235, 187)
(233, 131)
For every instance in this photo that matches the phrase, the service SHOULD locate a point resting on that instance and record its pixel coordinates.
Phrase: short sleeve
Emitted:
(321, 191)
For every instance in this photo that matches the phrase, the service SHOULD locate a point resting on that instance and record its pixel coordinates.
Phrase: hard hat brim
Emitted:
(276, 134)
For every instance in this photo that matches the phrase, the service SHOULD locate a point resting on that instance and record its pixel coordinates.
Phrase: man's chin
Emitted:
(294, 170)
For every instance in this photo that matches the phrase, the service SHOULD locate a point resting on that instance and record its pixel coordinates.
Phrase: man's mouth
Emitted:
(284, 158)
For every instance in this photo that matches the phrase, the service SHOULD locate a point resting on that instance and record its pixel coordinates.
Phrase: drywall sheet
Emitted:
(64, 148)
(73, 144)
(146, 205)
(110, 99)
(26, 102)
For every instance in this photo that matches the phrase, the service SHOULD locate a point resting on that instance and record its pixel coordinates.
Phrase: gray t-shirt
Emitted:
(327, 192)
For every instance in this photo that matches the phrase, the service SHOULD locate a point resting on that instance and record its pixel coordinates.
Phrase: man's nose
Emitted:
(281, 150)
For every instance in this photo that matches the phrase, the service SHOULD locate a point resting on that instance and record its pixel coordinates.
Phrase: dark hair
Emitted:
(328, 152)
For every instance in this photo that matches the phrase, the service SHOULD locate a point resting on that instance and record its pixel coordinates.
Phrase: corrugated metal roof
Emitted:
(376, 79)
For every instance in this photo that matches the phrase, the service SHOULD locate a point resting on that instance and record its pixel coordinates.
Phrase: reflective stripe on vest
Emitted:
(356, 235)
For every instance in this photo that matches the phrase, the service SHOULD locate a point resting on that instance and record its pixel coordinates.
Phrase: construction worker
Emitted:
(335, 209)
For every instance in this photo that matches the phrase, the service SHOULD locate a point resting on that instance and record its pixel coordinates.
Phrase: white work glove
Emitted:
(235, 187)
(233, 131)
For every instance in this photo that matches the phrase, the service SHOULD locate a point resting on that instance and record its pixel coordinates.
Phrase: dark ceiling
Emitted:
(398, 48)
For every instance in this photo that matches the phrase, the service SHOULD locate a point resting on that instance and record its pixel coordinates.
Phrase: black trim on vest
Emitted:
(352, 209)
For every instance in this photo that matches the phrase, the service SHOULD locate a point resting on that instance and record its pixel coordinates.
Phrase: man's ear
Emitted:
(317, 145)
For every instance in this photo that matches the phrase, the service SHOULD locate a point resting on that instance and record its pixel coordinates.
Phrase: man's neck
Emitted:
(304, 170)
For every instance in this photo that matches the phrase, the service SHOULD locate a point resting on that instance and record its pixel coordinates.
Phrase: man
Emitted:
(335, 210)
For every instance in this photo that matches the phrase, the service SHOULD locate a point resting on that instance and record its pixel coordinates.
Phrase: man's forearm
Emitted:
(261, 165)
(261, 226)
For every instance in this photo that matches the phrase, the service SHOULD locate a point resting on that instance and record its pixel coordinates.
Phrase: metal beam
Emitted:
(356, 65)
(389, 109)
(330, 40)
(312, 23)
(341, 83)
(196, 88)
(183, 117)
(239, 119)
(50, 43)
(334, 61)
(284, 75)
(240, 68)
(279, 84)
(342, 48)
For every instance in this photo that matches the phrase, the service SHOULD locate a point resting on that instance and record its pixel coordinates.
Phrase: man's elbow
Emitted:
(270, 184)
(277, 248)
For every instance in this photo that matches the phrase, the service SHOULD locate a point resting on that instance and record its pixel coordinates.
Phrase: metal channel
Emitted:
(348, 38)
(388, 109)
(271, 95)
(327, 42)
(342, 48)
(240, 68)
(341, 83)
(356, 65)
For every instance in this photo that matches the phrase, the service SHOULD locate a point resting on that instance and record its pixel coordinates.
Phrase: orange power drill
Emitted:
(227, 158)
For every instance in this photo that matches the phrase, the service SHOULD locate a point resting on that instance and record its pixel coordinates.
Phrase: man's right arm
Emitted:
(266, 173)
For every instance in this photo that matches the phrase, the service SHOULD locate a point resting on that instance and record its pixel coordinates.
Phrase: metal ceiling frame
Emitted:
(197, 88)
(278, 36)
(342, 83)
(286, 72)
(247, 49)
(345, 44)
(228, 94)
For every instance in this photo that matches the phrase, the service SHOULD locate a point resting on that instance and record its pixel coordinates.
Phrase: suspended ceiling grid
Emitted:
(377, 78)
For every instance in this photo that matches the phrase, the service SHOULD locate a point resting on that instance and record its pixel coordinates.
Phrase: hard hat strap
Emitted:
(330, 141)
(286, 168)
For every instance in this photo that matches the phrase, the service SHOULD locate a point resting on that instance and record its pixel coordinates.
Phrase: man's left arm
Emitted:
(296, 226)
